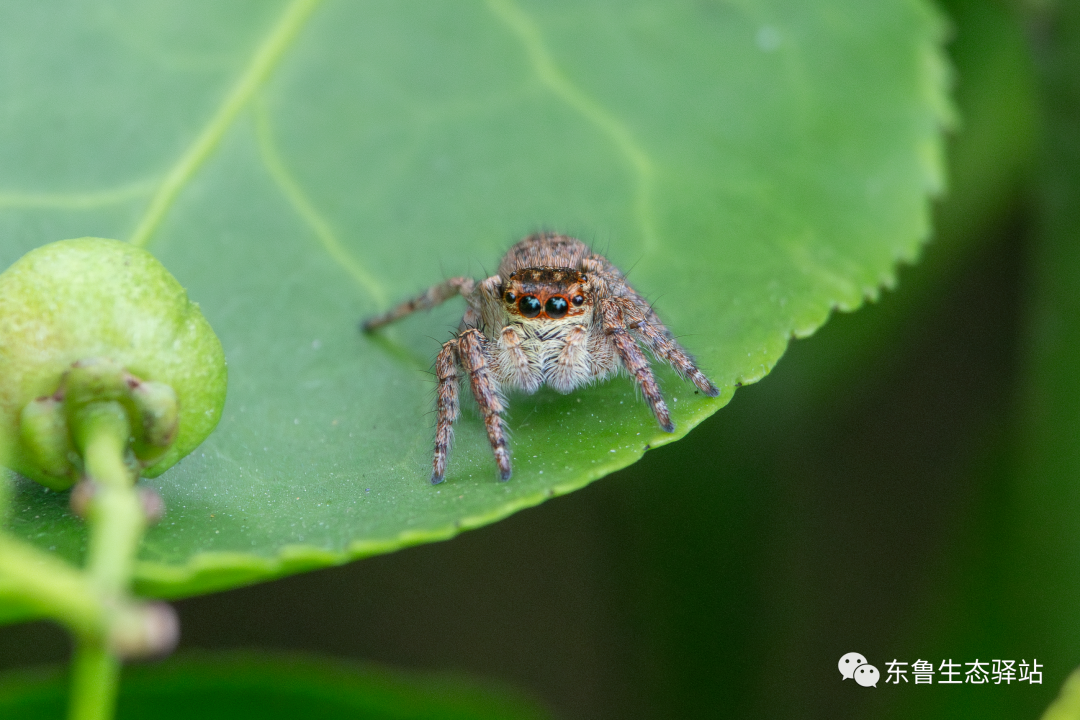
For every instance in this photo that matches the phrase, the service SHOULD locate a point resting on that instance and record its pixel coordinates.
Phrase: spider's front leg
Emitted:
(466, 350)
(634, 361)
(477, 363)
(428, 299)
(663, 346)
(446, 407)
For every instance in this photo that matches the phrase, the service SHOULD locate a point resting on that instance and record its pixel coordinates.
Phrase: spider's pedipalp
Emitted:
(434, 295)
(515, 362)
(571, 366)
(635, 362)
(474, 359)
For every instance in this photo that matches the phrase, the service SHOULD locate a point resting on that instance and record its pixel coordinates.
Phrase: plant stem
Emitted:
(101, 432)
(95, 674)
(49, 587)
(115, 514)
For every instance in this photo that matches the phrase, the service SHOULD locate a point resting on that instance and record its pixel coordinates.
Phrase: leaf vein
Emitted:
(303, 206)
(74, 200)
(607, 123)
(255, 74)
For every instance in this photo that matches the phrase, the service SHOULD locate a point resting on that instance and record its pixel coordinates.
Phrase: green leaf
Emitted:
(1067, 705)
(240, 685)
(836, 512)
(299, 167)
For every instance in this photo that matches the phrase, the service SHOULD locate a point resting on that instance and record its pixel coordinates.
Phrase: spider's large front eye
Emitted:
(529, 306)
(556, 307)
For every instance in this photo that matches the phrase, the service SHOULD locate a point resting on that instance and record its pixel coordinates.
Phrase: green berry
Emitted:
(92, 320)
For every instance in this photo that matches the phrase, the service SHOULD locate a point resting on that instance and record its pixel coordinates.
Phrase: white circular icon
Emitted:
(867, 675)
(849, 662)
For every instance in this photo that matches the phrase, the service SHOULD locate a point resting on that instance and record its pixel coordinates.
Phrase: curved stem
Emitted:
(101, 432)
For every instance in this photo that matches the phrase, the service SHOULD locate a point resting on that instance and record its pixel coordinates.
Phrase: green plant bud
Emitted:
(157, 414)
(46, 441)
(93, 380)
(113, 311)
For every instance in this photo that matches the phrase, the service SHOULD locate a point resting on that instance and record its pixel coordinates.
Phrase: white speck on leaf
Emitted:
(768, 38)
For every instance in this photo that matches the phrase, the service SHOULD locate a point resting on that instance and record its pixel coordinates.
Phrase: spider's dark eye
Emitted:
(510, 296)
(556, 307)
(529, 306)
(578, 300)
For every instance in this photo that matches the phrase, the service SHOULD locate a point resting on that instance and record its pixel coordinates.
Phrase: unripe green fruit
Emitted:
(88, 299)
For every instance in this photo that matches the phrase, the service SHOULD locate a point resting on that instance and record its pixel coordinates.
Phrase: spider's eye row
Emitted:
(556, 307)
(529, 306)
(510, 296)
(578, 300)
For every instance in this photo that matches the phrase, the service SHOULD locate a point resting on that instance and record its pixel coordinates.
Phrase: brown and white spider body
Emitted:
(555, 314)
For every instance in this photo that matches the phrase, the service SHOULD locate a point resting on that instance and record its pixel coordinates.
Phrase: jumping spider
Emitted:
(556, 313)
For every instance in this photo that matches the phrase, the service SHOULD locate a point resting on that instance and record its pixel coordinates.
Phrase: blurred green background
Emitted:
(901, 485)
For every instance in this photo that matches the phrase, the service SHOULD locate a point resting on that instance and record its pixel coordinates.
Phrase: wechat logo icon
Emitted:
(852, 665)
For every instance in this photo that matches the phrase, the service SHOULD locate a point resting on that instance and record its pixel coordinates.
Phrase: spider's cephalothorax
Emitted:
(556, 313)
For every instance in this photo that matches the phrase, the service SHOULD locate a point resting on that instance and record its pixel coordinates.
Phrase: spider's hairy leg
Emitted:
(476, 362)
(435, 295)
(446, 408)
(635, 362)
(663, 346)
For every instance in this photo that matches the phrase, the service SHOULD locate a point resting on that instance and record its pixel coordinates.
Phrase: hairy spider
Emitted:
(557, 314)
